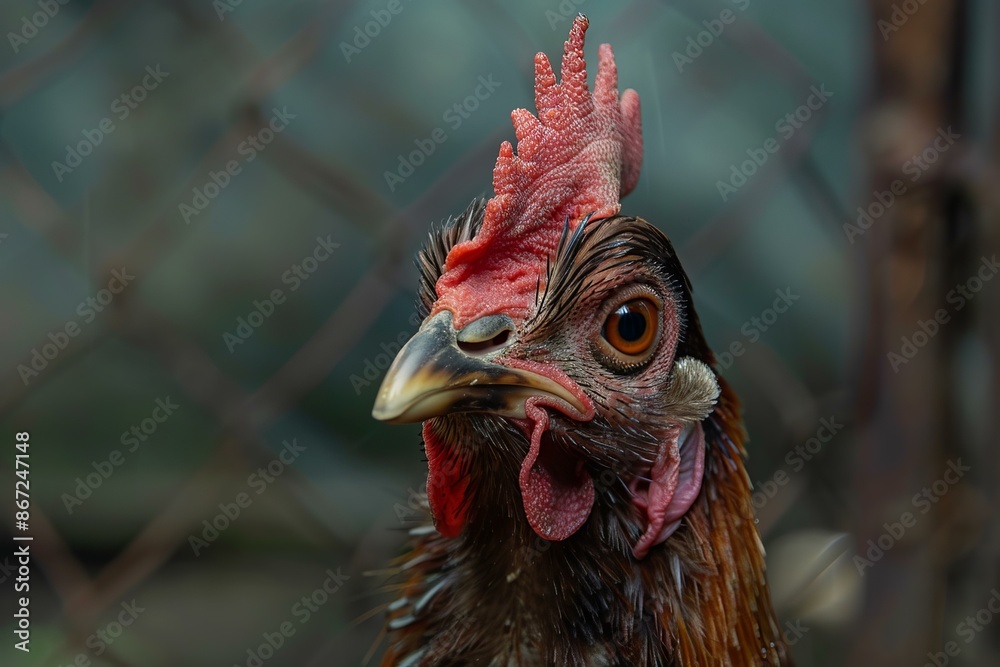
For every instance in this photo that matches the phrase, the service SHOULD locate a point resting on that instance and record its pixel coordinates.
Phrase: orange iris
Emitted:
(632, 328)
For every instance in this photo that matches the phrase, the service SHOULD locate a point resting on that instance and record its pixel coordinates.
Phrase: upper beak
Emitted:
(432, 376)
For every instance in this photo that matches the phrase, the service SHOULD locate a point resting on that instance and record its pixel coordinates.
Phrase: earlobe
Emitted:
(675, 477)
(675, 481)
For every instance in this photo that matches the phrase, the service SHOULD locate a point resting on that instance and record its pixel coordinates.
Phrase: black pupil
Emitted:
(631, 324)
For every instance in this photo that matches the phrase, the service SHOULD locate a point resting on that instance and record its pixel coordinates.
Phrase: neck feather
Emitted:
(499, 590)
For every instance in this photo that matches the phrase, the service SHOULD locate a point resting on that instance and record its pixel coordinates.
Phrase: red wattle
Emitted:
(447, 484)
(557, 502)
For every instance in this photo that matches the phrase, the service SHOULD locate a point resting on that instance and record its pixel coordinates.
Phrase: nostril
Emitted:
(485, 335)
(486, 346)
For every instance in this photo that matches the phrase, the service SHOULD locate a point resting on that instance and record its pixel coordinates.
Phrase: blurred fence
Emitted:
(207, 215)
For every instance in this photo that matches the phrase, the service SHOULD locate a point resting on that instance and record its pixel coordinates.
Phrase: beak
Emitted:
(432, 376)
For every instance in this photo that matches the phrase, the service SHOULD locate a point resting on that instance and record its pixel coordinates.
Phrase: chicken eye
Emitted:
(631, 330)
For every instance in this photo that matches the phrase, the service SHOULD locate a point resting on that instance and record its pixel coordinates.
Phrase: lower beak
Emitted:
(432, 376)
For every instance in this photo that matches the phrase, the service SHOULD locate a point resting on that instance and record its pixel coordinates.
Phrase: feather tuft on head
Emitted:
(578, 156)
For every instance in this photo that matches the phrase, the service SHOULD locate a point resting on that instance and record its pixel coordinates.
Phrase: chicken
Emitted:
(586, 482)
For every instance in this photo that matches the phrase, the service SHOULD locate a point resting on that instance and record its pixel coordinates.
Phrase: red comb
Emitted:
(577, 157)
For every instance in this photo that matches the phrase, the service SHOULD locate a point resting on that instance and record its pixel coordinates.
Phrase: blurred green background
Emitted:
(309, 211)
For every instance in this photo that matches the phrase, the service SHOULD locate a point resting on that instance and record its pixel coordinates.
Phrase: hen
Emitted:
(586, 482)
